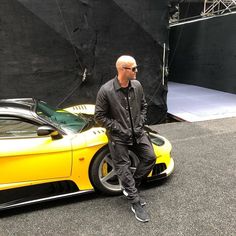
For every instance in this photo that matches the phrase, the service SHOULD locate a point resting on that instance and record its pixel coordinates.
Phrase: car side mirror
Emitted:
(48, 130)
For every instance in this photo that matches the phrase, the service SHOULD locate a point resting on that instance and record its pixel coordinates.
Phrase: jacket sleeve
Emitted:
(102, 111)
(144, 105)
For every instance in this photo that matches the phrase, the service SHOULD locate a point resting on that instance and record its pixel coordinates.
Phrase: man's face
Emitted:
(130, 70)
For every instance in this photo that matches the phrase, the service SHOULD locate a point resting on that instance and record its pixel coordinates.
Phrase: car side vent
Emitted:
(158, 168)
(79, 107)
(100, 131)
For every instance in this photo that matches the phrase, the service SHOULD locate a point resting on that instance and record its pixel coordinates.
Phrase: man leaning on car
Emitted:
(121, 109)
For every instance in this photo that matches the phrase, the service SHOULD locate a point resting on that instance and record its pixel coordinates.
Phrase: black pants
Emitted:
(122, 163)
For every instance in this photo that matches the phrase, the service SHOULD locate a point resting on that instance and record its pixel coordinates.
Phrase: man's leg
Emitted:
(147, 159)
(122, 163)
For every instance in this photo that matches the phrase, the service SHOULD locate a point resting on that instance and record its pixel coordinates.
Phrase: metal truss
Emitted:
(218, 7)
(210, 8)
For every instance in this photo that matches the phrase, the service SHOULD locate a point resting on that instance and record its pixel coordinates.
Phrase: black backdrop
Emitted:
(45, 47)
(203, 53)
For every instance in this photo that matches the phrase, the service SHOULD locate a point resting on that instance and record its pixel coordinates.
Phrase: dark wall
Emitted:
(188, 9)
(45, 46)
(203, 53)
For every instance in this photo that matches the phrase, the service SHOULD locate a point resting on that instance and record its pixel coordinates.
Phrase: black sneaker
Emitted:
(140, 212)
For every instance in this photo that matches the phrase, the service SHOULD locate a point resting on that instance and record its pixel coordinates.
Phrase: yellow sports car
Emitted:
(47, 153)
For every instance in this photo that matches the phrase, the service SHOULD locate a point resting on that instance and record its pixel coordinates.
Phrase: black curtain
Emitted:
(203, 53)
(47, 46)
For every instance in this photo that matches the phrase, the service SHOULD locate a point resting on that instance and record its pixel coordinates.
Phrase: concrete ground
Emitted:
(198, 199)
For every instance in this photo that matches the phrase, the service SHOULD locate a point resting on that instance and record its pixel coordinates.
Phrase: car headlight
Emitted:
(156, 139)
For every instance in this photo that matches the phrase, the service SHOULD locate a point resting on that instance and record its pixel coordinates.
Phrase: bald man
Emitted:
(121, 109)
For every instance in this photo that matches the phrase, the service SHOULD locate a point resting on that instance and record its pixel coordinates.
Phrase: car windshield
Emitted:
(60, 118)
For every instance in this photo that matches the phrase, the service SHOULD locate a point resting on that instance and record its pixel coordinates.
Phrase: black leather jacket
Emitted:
(112, 111)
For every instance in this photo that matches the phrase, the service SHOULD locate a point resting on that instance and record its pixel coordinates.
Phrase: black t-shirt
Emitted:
(125, 91)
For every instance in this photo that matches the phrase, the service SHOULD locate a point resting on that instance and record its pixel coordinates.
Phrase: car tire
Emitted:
(102, 173)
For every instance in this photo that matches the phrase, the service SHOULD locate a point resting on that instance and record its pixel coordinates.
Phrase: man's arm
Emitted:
(102, 111)
(143, 108)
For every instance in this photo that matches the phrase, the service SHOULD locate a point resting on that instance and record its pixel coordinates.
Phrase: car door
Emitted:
(24, 156)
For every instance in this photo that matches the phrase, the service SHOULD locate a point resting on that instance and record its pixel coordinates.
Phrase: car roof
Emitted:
(27, 103)
(17, 106)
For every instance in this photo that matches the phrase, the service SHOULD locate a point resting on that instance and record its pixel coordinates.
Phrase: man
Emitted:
(121, 109)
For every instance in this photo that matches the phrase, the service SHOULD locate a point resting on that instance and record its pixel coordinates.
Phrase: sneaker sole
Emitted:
(137, 217)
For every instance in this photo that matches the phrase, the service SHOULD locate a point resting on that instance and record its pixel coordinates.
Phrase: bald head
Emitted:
(124, 61)
(127, 68)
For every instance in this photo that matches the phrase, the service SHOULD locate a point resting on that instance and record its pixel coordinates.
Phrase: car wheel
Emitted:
(102, 172)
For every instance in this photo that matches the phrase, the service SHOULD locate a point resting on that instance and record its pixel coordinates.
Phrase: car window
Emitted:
(14, 127)
(60, 118)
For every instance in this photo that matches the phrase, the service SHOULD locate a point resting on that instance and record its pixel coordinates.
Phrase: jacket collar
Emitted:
(117, 84)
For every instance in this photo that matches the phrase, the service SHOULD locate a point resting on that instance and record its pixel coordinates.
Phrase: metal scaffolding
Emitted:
(218, 7)
(210, 8)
